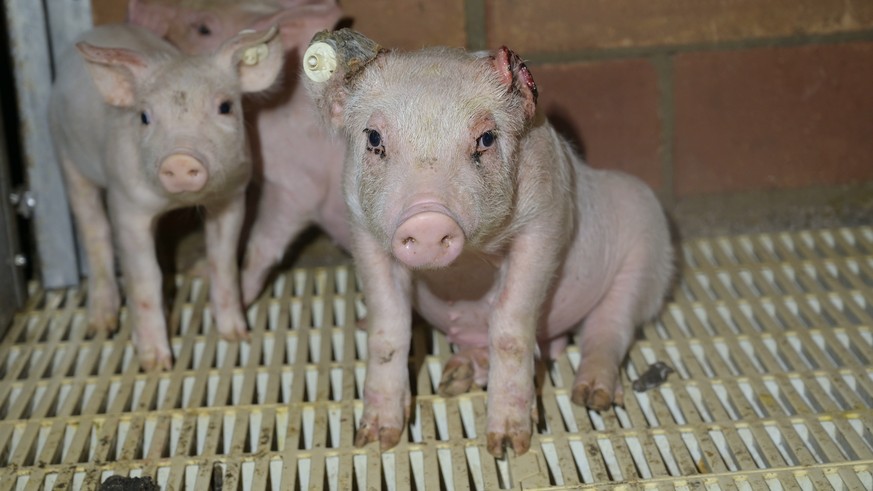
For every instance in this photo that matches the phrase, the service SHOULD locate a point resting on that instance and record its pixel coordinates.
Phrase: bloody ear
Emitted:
(516, 76)
(114, 71)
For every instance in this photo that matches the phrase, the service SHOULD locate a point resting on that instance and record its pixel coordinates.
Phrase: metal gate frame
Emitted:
(36, 30)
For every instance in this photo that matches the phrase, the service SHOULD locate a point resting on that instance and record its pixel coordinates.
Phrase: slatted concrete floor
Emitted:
(771, 337)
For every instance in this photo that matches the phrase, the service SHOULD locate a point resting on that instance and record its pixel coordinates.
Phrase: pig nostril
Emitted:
(193, 173)
(446, 241)
(408, 241)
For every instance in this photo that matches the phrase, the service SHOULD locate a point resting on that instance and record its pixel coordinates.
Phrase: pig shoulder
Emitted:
(546, 189)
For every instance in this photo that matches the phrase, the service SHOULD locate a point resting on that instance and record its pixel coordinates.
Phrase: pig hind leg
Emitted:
(95, 232)
(274, 229)
(463, 370)
(608, 331)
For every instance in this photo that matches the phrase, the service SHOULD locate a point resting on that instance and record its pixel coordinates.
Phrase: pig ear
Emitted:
(300, 21)
(152, 16)
(256, 55)
(332, 63)
(517, 78)
(114, 71)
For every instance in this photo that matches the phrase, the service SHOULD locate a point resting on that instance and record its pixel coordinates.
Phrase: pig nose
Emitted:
(428, 239)
(182, 173)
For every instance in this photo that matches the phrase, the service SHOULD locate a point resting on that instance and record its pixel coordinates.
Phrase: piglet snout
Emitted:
(181, 173)
(428, 239)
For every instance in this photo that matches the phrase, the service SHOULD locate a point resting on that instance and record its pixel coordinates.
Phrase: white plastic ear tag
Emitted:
(255, 54)
(319, 62)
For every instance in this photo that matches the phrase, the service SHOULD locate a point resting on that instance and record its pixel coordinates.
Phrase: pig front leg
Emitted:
(223, 225)
(512, 339)
(134, 231)
(387, 396)
(276, 225)
(96, 234)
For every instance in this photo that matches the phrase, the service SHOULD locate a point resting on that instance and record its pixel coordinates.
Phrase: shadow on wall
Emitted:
(564, 125)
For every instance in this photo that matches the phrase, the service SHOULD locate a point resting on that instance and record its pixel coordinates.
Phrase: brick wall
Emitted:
(697, 97)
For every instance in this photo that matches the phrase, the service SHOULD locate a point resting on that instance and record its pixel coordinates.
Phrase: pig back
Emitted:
(79, 119)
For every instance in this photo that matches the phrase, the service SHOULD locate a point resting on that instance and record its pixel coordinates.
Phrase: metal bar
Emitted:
(32, 58)
(11, 274)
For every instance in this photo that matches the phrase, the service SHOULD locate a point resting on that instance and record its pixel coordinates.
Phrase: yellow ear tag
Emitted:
(255, 54)
(319, 62)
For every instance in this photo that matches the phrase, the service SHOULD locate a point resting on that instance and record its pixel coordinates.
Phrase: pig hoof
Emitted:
(235, 334)
(457, 377)
(370, 432)
(234, 330)
(597, 398)
(107, 323)
(520, 442)
(150, 360)
(103, 316)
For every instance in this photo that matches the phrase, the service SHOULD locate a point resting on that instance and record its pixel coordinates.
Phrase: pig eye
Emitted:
(373, 138)
(225, 107)
(203, 30)
(485, 141)
(374, 142)
(145, 118)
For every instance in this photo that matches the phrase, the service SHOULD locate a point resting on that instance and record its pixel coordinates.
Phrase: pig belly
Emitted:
(458, 300)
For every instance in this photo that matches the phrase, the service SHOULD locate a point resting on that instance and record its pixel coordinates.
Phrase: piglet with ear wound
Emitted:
(153, 130)
(466, 205)
(298, 161)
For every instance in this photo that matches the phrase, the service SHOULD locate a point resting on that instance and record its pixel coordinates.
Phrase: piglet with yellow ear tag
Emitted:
(468, 207)
(298, 161)
(152, 129)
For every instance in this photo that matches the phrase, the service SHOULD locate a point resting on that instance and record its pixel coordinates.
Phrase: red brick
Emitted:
(773, 118)
(549, 26)
(108, 11)
(392, 23)
(611, 109)
(409, 24)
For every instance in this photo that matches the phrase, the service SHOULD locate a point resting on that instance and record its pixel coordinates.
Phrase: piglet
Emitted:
(467, 206)
(152, 129)
(298, 162)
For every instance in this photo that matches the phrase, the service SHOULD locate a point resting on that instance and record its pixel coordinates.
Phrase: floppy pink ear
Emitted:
(152, 16)
(257, 57)
(298, 21)
(114, 71)
(516, 76)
